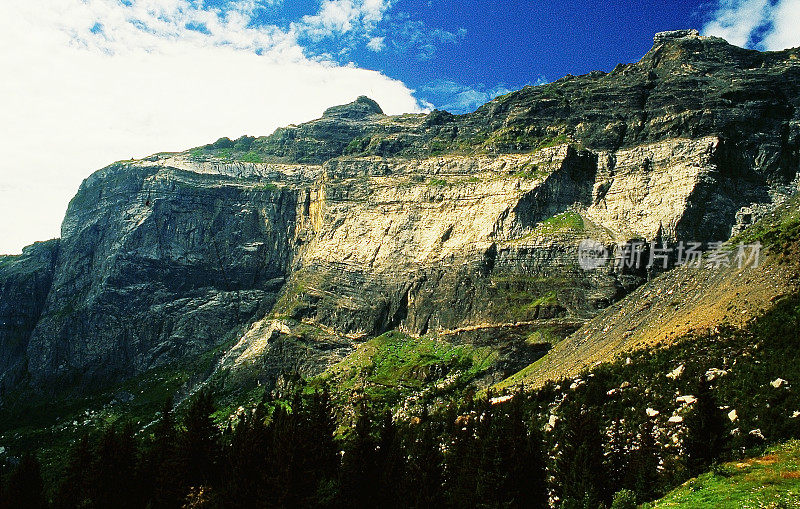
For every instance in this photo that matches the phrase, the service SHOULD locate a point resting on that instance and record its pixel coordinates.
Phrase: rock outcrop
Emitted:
(25, 281)
(358, 222)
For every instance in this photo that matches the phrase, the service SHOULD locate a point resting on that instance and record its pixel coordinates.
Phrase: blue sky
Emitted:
(502, 45)
(457, 54)
(88, 82)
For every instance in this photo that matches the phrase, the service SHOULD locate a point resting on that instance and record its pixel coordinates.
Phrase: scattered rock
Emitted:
(661, 37)
(677, 372)
(501, 399)
(715, 373)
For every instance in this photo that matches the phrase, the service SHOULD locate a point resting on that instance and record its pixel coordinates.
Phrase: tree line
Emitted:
(292, 452)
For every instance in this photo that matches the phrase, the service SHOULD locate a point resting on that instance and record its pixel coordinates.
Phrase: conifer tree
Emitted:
(425, 473)
(113, 481)
(490, 479)
(705, 431)
(643, 466)
(161, 466)
(246, 472)
(531, 476)
(462, 461)
(25, 487)
(579, 464)
(390, 464)
(74, 489)
(359, 464)
(320, 445)
(199, 441)
(284, 454)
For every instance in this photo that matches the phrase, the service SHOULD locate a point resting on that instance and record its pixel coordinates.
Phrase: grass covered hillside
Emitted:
(768, 481)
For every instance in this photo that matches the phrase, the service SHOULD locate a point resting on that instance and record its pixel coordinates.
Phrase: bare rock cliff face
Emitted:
(358, 223)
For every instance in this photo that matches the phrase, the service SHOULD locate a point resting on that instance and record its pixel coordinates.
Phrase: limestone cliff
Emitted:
(358, 222)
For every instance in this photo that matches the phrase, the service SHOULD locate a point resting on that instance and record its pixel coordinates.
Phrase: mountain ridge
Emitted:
(358, 223)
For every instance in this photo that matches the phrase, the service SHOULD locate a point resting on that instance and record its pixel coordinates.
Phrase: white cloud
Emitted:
(458, 98)
(760, 24)
(376, 44)
(414, 36)
(337, 17)
(785, 32)
(87, 82)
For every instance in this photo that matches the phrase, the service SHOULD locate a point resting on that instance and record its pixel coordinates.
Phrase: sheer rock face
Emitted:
(25, 281)
(360, 222)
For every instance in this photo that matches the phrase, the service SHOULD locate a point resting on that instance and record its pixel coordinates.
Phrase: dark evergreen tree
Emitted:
(360, 463)
(530, 478)
(643, 476)
(320, 447)
(462, 460)
(74, 490)
(199, 448)
(285, 455)
(425, 474)
(618, 455)
(390, 464)
(163, 469)
(706, 435)
(113, 481)
(246, 473)
(513, 468)
(490, 478)
(25, 487)
(3, 499)
(579, 465)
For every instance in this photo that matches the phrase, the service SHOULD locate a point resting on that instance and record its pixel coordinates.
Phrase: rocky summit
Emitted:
(288, 251)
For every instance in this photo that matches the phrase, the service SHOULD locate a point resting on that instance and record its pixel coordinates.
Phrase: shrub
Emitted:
(624, 499)
(223, 142)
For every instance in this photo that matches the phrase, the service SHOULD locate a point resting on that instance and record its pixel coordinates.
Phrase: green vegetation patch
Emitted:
(542, 336)
(393, 363)
(268, 186)
(251, 157)
(779, 231)
(521, 299)
(434, 182)
(566, 221)
(518, 139)
(552, 141)
(357, 145)
(51, 424)
(772, 480)
(531, 172)
(245, 149)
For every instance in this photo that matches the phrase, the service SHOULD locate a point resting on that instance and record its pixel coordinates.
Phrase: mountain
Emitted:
(471, 282)
(286, 252)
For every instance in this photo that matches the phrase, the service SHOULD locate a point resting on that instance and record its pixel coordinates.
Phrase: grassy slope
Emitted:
(394, 364)
(772, 480)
